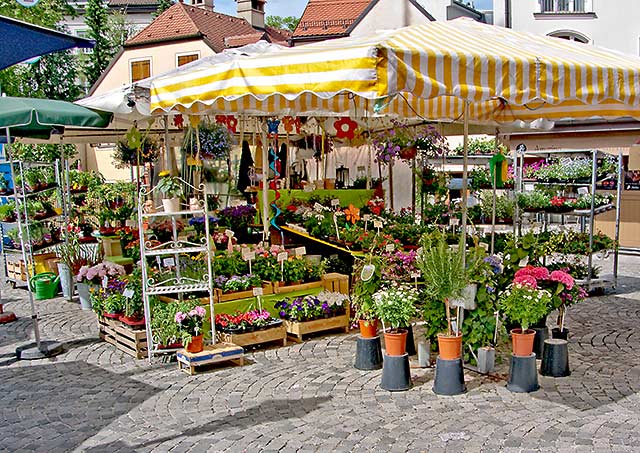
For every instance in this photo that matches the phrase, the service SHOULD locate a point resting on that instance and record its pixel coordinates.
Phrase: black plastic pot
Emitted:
(561, 335)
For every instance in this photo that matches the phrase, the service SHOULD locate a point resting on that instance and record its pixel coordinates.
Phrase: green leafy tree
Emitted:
(97, 18)
(284, 23)
(163, 5)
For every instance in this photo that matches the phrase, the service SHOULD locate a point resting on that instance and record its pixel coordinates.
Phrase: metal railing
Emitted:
(564, 6)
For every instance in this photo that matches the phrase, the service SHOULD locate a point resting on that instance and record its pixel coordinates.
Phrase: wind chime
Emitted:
(272, 133)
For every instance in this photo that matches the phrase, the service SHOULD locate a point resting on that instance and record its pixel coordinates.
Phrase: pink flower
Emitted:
(526, 280)
(200, 311)
(539, 273)
(562, 277)
(180, 317)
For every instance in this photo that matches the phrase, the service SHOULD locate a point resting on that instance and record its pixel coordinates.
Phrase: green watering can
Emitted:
(45, 285)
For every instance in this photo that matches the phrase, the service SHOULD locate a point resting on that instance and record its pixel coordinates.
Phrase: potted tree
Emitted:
(171, 189)
(525, 304)
(395, 306)
(367, 281)
(444, 278)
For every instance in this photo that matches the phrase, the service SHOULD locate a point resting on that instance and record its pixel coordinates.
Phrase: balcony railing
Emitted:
(565, 6)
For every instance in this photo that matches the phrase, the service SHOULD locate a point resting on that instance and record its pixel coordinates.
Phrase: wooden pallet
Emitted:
(125, 338)
(298, 329)
(215, 353)
(16, 270)
(293, 288)
(258, 337)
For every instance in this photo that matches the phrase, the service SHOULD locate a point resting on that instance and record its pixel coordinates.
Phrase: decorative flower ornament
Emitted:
(352, 214)
(345, 128)
(272, 127)
(289, 123)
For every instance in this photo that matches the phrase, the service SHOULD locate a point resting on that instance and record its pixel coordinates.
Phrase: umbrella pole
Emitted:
(265, 181)
(464, 182)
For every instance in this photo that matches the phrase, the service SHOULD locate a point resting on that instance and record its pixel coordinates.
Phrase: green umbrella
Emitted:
(37, 118)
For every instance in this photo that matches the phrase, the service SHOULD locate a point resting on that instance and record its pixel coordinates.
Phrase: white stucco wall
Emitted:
(437, 8)
(389, 14)
(163, 58)
(614, 26)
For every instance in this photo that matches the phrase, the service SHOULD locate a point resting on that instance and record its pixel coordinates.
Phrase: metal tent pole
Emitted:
(464, 182)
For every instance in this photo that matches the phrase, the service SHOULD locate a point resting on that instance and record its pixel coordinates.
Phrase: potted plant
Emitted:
(525, 304)
(8, 212)
(113, 304)
(395, 306)
(171, 189)
(166, 332)
(367, 277)
(294, 270)
(444, 278)
(190, 324)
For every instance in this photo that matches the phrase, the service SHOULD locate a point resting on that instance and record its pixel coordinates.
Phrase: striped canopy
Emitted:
(428, 70)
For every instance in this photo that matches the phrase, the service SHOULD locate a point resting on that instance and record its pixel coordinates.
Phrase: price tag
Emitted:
(308, 188)
(128, 293)
(335, 202)
(245, 251)
(318, 207)
(249, 256)
(390, 247)
(524, 261)
(366, 217)
(168, 262)
(454, 221)
(415, 275)
(282, 256)
(257, 292)
(229, 233)
(105, 281)
(377, 223)
(301, 251)
(583, 190)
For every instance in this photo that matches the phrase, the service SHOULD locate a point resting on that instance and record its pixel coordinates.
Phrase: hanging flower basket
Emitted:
(212, 142)
(125, 155)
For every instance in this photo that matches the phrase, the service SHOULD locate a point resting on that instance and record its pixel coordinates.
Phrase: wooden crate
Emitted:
(293, 288)
(16, 270)
(219, 352)
(335, 282)
(298, 329)
(259, 336)
(123, 337)
(219, 296)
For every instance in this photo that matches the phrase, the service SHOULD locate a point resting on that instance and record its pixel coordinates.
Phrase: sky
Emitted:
(296, 7)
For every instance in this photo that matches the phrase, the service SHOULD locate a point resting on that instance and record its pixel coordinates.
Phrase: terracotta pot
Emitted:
(449, 347)
(522, 342)
(368, 329)
(196, 344)
(395, 343)
(408, 153)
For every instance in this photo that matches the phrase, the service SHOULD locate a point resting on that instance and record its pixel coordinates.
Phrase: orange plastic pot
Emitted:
(195, 345)
(522, 342)
(395, 343)
(449, 347)
(368, 329)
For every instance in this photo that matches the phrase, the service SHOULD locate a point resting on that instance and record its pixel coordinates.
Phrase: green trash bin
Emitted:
(45, 285)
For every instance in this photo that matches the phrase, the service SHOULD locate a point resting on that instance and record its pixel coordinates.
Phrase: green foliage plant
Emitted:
(525, 305)
(170, 187)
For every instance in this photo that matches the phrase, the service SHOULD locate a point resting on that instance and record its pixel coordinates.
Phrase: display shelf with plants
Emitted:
(571, 180)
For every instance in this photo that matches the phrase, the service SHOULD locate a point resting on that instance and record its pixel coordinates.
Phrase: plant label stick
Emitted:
(105, 281)
(335, 202)
(301, 251)
(128, 293)
(415, 276)
(366, 219)
(257, 293)
(390, 248)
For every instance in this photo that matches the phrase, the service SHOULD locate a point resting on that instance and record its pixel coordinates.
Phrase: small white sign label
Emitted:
(257, 292)
(128, 293)
(301, 251)
(377, 224)
(105, 281)
(282, 256)
(249, 256)
(168, 262)
(318, 207)
(454, 221)
(335, 202)
(229, 233)
(524, 261)
(390, 247)
(366, 217)
(415, 275)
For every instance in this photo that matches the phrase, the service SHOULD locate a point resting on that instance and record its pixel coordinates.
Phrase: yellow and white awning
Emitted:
(428, 70)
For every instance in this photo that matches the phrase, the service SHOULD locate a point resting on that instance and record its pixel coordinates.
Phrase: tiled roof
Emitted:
(330, 17)
(132, 2)
(219, 30)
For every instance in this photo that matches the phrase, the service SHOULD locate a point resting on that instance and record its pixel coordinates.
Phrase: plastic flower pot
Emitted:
(196, 344)
(449, 346)
(395, 342)
(368, 328)
(522, 342)
(560, 334)
(171, 204)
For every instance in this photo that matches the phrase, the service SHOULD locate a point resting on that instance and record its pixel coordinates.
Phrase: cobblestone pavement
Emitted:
(309, 397)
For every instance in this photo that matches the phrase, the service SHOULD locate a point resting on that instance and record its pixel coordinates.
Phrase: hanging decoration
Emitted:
(273, 185)
(178, 121)
(228, 120)
(272, 126)
(352, 214)
(345, 128)
(498, 166)
(290, 122)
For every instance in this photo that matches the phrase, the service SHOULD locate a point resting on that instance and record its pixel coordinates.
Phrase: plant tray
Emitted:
(338, 283)
(278, 333)
(219, 352)
(294, 288)
(127, 339)
(298, 329)
(219, 296)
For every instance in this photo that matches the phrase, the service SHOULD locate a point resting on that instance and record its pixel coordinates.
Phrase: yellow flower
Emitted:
(164, 173)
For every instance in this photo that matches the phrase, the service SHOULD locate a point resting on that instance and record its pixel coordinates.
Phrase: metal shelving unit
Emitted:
(586, 217)
(172, 249)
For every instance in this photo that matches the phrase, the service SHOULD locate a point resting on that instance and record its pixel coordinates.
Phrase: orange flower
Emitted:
(352, 214)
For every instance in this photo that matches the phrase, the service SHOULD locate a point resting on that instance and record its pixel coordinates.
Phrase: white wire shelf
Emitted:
(155, 290)
(174, 250)
(173, 214)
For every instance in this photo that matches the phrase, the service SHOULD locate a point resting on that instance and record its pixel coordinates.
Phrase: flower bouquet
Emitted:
(96, 274)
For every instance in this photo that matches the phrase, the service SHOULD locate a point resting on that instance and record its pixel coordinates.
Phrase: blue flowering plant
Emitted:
(214, 141)
(236, 217)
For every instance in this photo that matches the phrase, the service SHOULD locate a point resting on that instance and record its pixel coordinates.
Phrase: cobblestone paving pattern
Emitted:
(309, 397)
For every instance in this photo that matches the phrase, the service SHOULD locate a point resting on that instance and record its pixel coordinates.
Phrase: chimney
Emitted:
(252, 11)
(204, 4)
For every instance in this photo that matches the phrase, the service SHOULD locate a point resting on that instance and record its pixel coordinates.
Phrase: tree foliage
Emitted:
(284, 23)
(163, 5)
(97, 19)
